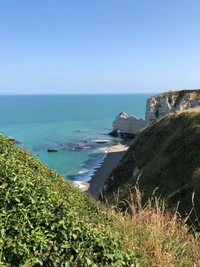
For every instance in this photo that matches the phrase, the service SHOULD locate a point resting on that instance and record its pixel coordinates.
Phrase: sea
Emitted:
(76, 125)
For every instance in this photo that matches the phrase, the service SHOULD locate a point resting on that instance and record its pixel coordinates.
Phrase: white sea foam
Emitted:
(83, 171)
(104, 150)
(86, 175)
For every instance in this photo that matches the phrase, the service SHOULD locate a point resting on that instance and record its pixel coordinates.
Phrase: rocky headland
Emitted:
(156, 107)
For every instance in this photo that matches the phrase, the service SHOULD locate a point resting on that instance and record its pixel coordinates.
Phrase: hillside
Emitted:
(45, 221)
(164, 156)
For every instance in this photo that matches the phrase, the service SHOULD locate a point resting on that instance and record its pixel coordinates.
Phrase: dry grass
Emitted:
(160, 238)
(191, 110)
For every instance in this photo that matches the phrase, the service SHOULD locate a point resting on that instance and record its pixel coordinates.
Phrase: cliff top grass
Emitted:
(182, 95)
(167, 157)
(45, 221)
(175, 93)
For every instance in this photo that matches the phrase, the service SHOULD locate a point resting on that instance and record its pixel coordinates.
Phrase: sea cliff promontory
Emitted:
(156, 107)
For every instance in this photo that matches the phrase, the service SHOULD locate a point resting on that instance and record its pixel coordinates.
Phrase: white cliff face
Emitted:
(128, 124)
(157, 107)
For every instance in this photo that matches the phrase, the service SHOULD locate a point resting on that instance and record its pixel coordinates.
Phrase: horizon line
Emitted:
(54, 94)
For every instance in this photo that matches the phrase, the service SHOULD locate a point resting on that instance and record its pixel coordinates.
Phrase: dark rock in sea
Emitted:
(52, 150)
(101, 142)
(11, 138)
(77, 145)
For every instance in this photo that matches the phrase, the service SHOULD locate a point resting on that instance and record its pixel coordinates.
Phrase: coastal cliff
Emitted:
(159, 105)
(156, 107)
(163, 156)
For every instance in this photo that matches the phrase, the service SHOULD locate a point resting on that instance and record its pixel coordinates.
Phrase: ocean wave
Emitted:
(90, 167)
(83, 171)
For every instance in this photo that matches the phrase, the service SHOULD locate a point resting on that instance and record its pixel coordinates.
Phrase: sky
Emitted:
(99, 46)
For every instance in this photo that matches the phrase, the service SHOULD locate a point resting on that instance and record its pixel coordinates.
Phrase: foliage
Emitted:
(45, 221)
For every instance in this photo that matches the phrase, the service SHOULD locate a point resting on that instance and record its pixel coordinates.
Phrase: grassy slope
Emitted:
(167, 153)
(44, 221)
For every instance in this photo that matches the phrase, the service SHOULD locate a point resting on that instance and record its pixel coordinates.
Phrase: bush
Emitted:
(45, 221)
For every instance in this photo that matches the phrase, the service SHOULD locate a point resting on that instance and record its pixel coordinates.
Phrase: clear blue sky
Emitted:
(99, 46)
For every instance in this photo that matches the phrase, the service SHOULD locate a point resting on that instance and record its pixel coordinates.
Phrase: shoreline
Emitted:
(114, 154)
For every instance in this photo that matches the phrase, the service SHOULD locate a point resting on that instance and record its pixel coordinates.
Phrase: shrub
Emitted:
(45, 221)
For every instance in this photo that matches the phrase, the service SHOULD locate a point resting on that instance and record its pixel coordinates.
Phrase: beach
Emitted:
(114, 154)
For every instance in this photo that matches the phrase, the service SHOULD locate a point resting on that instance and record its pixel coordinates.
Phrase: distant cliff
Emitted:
(156, 107)
(162, 104)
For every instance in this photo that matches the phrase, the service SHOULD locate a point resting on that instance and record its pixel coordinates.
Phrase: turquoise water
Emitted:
(69, 123)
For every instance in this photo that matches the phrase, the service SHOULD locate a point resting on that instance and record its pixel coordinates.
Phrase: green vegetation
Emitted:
(167, 156)
(45, 221)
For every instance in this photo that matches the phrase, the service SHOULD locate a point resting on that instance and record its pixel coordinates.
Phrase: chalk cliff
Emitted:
(156, 107)
(125, 124)
(162, 104)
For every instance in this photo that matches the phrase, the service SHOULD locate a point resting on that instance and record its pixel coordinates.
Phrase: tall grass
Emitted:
(160, 238)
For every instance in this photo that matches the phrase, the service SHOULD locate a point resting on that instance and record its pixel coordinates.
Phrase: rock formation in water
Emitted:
(52, 150)
(127, 125)
(156, 107)
(10, 138)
